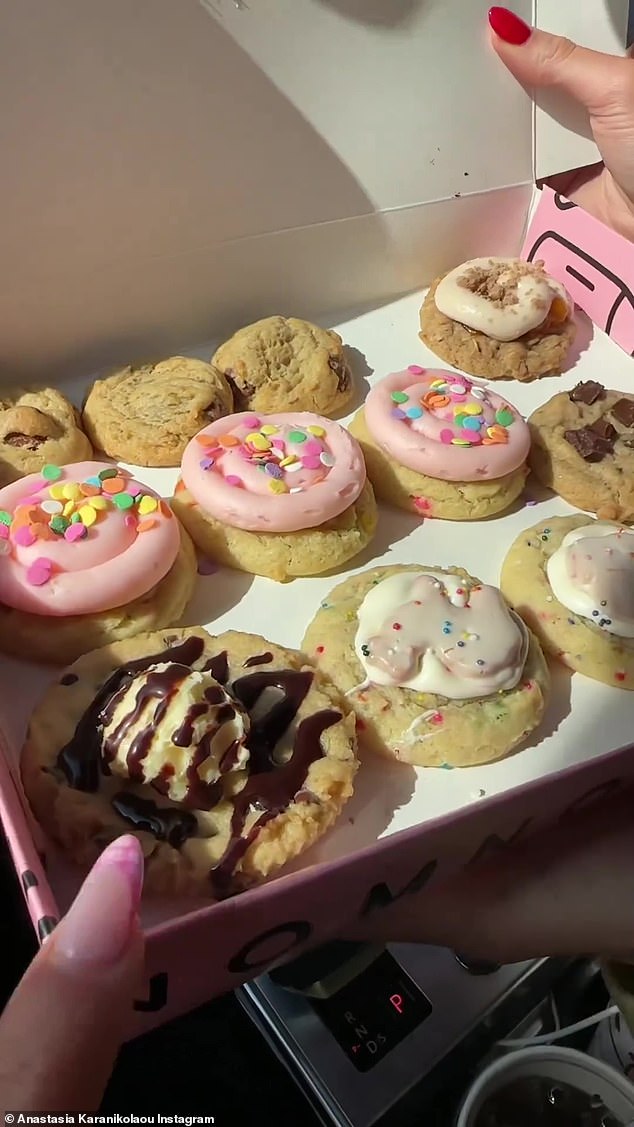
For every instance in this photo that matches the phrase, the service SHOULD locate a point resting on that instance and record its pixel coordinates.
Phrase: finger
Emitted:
(569, 891)
(61, 1031)
(537, 58)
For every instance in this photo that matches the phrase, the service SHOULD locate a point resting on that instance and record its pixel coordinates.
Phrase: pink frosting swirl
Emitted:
(81, 539)
(446, 426)
(274, 473)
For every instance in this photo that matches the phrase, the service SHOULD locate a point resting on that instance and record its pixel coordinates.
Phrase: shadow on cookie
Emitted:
(381, 788)
(557, 709)
(217, 590)
(582, 341)
(393, 526)
(360, 371)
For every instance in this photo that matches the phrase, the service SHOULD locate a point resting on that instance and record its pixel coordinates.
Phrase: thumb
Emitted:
(61, 1031)
(537, 58)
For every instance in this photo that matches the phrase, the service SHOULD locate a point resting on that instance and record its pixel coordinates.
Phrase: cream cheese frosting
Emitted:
(446, 426)
(504, 298)
(82, 538)
(274, 473)
(433, 633)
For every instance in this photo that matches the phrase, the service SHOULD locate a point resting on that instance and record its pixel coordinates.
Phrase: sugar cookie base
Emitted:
(429, 496)
(421, 728)
(59, 641)
(574, 640)
(281, 555)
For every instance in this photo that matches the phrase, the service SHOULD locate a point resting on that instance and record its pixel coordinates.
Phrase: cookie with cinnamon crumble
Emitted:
(499, 318)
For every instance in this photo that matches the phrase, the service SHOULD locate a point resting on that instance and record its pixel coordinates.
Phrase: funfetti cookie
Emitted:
(277, 495)
(572, 580)
(439, 445)
(500, 318)
(583, 448)
(88, 556)
(437, 668)
(226, 756)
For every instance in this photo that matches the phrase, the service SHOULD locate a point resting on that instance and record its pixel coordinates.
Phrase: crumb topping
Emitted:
(498, 282)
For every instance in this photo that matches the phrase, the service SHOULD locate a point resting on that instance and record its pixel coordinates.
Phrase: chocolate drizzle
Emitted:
(160, 686)
(81, 760)
(167, 823)
(272, 785)
(218, 666)
(270, 791)
(258, 659)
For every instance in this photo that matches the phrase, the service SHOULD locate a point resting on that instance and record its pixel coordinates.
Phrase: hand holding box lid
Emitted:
(604, 86)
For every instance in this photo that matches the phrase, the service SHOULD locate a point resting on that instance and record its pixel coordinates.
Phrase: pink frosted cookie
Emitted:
(438, 444)
(277, 495)
(88, 556)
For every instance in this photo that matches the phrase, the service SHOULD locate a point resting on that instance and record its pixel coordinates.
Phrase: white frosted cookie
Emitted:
(438, 670)
(500, 318)
(227, 756)
(572, 581)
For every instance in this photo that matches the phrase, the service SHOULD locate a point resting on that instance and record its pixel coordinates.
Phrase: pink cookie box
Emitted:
(369, 236)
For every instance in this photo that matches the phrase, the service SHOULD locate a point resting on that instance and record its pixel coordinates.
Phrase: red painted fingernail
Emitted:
(508, 26)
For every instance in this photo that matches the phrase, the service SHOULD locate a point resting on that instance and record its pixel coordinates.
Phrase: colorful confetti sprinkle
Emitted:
(51, 473)
(39, 572)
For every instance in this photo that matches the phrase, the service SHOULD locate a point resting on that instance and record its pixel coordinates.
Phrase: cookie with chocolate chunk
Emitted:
(146, 414)
(499, 318)
(583, 449)
(226, 756)
(285, 364)
(38, 427)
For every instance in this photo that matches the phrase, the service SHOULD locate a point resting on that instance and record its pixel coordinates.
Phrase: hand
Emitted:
(62, 1029)
(604, 85)
(568, 891)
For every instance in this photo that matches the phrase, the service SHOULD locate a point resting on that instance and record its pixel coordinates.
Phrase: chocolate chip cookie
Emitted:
(146, 414)
(38, 427)
(226, 756)
(583, 449)
(284, 364)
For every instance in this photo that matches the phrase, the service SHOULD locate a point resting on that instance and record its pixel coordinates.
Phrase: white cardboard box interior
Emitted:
(179, 184)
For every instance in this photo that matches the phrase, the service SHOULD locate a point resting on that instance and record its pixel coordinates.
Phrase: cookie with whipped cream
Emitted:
(572, 581)
(276, 495)
(583, 449)
(437, 668)
(499, 318)
(439, 445)
(227, 756)
(88, 555)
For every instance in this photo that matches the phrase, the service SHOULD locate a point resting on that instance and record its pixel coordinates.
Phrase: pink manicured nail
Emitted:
(97, 928)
